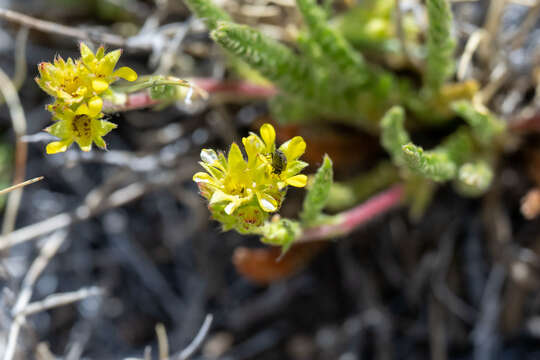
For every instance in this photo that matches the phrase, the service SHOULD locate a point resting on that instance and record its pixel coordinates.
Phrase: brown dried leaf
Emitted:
(261, 265)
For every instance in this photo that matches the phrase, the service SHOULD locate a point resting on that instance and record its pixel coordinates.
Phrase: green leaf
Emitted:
(282, 232)
(333, 45)
(440, 164)
(208, 12)
(394, 135)
(431, 164)
(440, 45)
(317, 195)
(273, 60)
(485, 126)
(474, 179)
(344, 195)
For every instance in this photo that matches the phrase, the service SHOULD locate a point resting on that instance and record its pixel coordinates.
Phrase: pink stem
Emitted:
(136, 100)
(526, 124)
(357, 216)
(142, 99)
(239, 88)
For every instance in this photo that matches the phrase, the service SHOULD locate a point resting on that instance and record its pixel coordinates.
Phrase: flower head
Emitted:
(67, 81)
(78, 87)
(242, 193)
(101, 67)
(83, 126)
(282, 162)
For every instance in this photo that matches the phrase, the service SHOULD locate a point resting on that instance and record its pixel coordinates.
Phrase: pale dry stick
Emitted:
(60, 299)
(491, 25)
(498, 77)
(47, 252)
(197, 341)
(526, 26)
(18, 121)
(63, 30)
(163, 342)
(95, 204)
(20, 59)
(147, 353)
(527, 3)
(401, 36)
(49, 302)
(81, 213)
(472, 44)
(20, 185)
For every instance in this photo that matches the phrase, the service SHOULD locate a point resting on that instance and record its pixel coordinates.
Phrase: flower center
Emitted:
(81, 126)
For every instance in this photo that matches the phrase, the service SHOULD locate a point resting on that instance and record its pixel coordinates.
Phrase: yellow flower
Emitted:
(101, 67)
(242, 193)
(282, 163)
(83, 126)
(68, 81)
(230, 181)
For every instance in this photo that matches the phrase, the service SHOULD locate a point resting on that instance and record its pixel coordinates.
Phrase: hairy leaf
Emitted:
(317, 195)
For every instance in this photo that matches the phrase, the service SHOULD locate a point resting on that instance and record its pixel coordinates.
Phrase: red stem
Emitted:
(136, 100)
(357, 216)
(238, 88)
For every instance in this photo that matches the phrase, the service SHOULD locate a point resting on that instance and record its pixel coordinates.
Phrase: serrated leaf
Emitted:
(394, 135)
(317, 195)
(474, 179)
(440, 44)
(485, 126)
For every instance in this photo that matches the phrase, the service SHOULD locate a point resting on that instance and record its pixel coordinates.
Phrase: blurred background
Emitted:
(128, 227)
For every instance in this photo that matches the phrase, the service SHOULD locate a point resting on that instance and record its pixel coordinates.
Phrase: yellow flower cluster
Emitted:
(242, 193)
(78, 87)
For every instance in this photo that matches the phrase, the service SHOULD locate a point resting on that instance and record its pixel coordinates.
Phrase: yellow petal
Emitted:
(235, 159)
(87, 55)
(229, 209)
(267, 203)
(219, 196)
(253, 145)
(293, 148)
(202, 177)
(108, 62)
(99, 85)
(268, 135)
(126, 73)
(98, 140)
(94, 106)
(85, 146)
(57, 146)
(100, 52)
(297, 181)
(82, 110)
(209, 156)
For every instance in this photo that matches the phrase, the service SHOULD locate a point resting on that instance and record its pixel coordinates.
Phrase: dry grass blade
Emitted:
(20, 185)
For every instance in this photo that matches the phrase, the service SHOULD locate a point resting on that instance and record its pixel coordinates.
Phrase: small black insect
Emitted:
(279, 162)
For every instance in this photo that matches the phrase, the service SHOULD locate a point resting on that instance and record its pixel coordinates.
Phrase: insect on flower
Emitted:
(279, 162)
(243, 192)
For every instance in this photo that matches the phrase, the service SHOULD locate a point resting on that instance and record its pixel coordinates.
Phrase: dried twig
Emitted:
(470, 48)
(61, 299)
(18, 121)
(83, 212)
(98, 201)
(163, 342)
(519, 37)
(48, 250)
(49, 302)
(197, 341)
(63, 30)
(20, 185)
